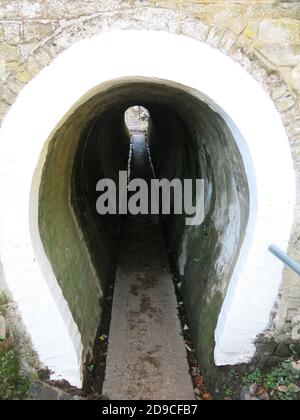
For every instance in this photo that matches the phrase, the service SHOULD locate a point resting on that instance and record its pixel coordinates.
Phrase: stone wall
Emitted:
(263, 36)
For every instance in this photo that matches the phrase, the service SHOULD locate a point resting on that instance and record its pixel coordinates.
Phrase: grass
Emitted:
(253, 378)
(278, 382)
(13, 385)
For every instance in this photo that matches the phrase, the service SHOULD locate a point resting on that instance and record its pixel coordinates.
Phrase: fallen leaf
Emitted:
(207, 397)
(103, 337)
(195, 371)
(189, 349)
(198, 381)
(283, 389)
(260, 390)
(296, 365)
(265, 397)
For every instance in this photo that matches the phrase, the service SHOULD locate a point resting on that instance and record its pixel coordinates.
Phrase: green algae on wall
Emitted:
(197, 143)
(80, 245)
(63, 241)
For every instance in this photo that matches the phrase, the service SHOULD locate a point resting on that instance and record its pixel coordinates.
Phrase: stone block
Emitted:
(12, 33)
(3, 73)
(8, 52)
(9, 9)
(43, 392)
(279, 41)
(2, 328)
(34, 31)
(283, 351)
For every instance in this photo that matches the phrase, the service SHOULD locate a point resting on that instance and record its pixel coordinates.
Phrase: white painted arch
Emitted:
(47, 101)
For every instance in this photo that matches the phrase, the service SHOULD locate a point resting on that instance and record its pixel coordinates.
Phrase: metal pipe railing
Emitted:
(288, 261)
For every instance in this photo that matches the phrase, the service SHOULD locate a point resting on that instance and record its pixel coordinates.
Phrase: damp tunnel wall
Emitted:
(80, 245)
(187, 140)
(102, 152)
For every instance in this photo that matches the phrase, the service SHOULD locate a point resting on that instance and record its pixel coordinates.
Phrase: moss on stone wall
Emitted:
(80, 245)
(13, 384)
(103, 152)
(63, 242)
(192, 141)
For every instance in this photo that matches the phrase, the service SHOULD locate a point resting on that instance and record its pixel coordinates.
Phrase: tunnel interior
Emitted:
(187, 140)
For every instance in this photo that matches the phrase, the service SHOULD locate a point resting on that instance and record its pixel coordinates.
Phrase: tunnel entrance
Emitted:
(203, 124)
(186, 139)
(137, 119)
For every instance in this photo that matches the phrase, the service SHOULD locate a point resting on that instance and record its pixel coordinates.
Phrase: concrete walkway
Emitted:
(146, 356)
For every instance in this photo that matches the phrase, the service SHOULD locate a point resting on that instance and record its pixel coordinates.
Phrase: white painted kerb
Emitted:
(260, 137)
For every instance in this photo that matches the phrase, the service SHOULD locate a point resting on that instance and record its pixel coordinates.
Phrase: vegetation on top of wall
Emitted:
(13, 384)
(278, 383)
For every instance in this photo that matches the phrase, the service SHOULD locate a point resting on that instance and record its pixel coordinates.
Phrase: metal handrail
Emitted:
(287, 260)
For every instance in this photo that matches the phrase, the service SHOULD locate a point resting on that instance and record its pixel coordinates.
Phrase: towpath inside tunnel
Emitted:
(146, 356)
